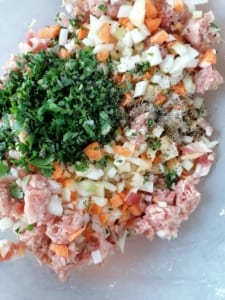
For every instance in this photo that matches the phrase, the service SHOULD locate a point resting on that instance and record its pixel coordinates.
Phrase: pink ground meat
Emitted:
(172, 19)
(207, 79)
(200, 32)
(5, 205)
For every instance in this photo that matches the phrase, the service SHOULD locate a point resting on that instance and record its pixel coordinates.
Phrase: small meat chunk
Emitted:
(171, 19)
(201, 33)
(36, 197)
(207, 79)
(60, 231)
(187, 198)
(5, 205)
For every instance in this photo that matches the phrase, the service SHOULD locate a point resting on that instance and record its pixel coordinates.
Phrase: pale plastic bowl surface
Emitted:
(192, 267)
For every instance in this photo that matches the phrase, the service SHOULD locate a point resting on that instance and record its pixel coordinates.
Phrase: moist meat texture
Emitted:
(160, 59)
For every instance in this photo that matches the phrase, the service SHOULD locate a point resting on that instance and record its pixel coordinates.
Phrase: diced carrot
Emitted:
(105, 35)
(116, 201)
(157, 159)
(127, 100)
(58, 171)
(135, 210)
(69, 182)
(59, 249)
(82, 33)
(160, 99)
(123, 195)
(96, 209)
(179, 26)
(73, 196)
(88, 232)
(209, 56)
(177, 107)
(19, 207)
(117, 78)
(144, 156)
(179, 89)
(150, 10)
(152, 24)
(159, 37)
(185, 173)
(120, 150)
(20, 248)
(75, 235)
(103, 218)
(63, 53)
(179, 38)
(178, 5)
(49, 32)
(146, 76)
(125, 216)
(94, 151)
(103, 55)
(125, 206)
(125, 22)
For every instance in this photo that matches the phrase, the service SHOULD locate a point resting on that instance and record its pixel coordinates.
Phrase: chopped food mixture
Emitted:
(104, 130)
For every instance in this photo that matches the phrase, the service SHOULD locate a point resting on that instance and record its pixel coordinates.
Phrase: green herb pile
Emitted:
(61, 105)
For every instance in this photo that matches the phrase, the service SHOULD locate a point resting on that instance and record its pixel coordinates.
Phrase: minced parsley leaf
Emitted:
(15, 191)
(81, 166)
(214, 26)
(141, 68)
(62, 106)
(102, 7)
(154, 144)
(30, 227)
(150, 122)
(170, 178)
(3, 169)
(76, 22)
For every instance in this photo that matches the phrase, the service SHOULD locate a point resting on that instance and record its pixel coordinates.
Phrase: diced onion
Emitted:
(147, 187)
(140, 88)
(122, 241)
(124, 11)
(66, 194)
(63, 36)
(137, 14)
(96, 257)
(152, 55)
(102, 47)
(187, 164)
(197, 14)
(109, 186)
(5, 223)
(100, 201)
(4, 247)
(55, 206)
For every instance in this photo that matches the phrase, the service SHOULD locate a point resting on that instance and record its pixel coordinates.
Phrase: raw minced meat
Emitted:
(144, 181)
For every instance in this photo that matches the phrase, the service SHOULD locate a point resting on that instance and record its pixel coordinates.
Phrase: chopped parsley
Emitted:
(3, 169)
(154, 144)
(103, 162)
(214, 26)
(15, 191)
(76, 22)
(141, 68)
(62, 106)
(81, 166)
(170, 178)
(102, 7)
(30, 227)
